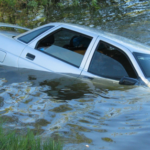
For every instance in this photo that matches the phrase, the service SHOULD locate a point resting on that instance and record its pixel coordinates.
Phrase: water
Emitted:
(81, 113)
(78, 112)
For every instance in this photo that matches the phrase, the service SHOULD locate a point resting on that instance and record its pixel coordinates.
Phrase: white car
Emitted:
(78, 50)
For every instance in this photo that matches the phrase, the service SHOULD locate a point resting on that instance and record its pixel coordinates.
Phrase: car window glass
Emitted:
(30, 36)
(65, 45)
(144, 61)
(108, 61)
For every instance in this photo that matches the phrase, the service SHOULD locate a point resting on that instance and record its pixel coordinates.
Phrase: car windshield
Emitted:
(144, 62)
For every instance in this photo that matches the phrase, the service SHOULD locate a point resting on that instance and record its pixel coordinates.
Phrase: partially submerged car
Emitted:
(78, 50)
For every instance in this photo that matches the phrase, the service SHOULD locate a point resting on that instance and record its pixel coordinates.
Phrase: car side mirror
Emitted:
(128, 81)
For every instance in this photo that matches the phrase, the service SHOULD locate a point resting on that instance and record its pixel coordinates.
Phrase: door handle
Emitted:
(30, 56)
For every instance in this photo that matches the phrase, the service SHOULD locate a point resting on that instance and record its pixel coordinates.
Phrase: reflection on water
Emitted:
(78, 112)
(81, 112)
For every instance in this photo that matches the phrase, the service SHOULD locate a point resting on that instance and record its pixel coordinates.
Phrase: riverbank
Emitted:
(14, 141)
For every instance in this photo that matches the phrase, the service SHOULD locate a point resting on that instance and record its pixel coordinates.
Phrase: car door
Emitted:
(65, 49)
(10, 50)
(109, 62)
(2, 56)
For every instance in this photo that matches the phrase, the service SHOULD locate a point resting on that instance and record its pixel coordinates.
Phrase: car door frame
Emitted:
(94, 36)
(129, 54)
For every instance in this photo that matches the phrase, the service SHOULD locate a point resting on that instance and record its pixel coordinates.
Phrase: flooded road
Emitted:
(81, 112)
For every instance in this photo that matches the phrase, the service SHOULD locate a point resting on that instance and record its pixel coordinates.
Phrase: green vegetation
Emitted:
(106, 139)
(11, 141)
(25, 12)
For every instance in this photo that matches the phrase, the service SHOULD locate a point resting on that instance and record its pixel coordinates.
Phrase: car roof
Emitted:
(132, 45)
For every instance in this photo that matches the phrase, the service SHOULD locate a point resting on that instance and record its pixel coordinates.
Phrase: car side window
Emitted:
(30, 36)
(110, 62)
(66, 45)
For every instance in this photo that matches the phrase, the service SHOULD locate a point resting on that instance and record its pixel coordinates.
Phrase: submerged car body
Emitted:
(78, 50)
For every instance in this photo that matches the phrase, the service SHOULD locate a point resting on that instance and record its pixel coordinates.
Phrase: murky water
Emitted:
(80, 112)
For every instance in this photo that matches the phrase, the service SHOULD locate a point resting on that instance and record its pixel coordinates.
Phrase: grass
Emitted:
(11, 141)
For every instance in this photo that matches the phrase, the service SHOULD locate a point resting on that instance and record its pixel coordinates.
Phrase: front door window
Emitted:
(65, 45)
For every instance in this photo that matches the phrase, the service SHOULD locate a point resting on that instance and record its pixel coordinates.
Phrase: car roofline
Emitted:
(49, 24)
(132, 45)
